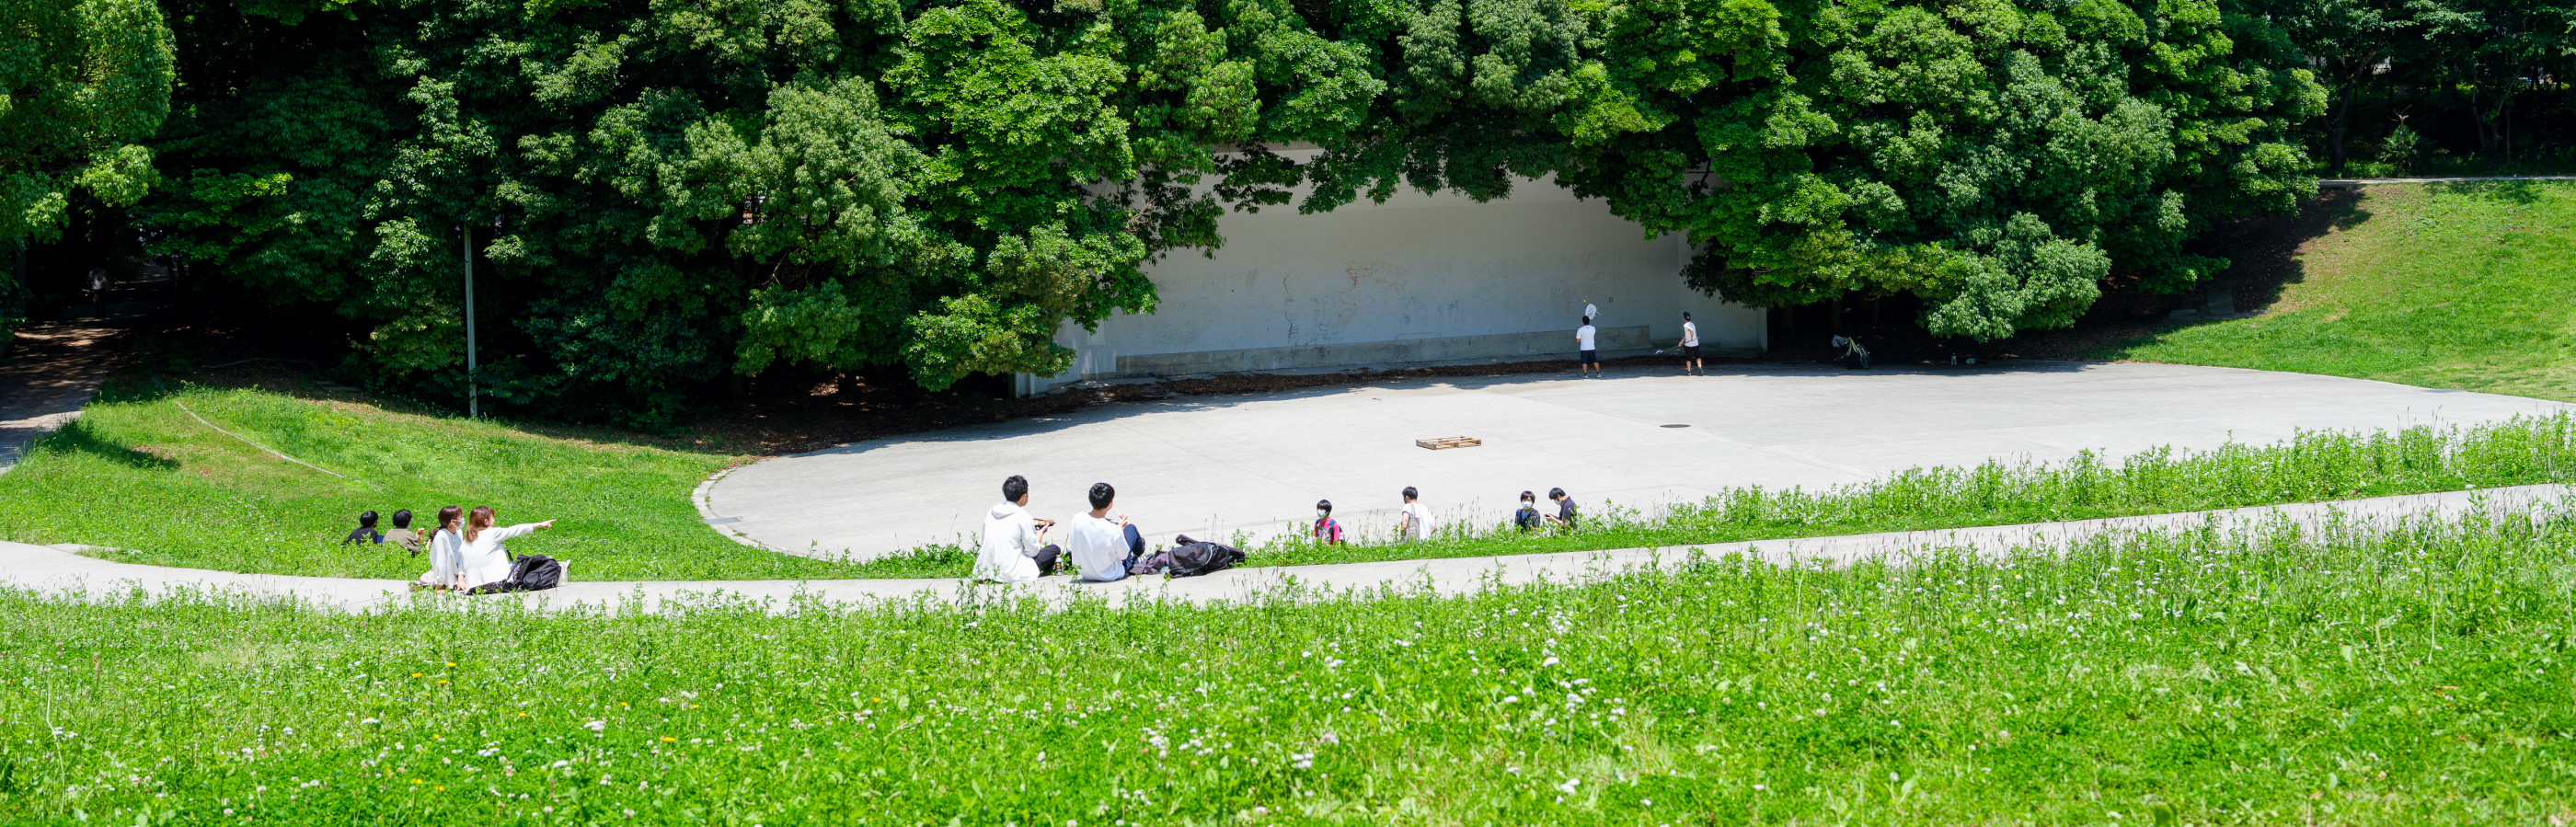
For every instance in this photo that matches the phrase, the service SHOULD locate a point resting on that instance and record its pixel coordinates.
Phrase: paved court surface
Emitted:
(1213, 467)
(57, 571)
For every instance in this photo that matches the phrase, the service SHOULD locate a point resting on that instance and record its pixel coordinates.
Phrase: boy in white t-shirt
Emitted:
(1103, 549)
(1583, 342)
(1690, 346)
(1414, 522)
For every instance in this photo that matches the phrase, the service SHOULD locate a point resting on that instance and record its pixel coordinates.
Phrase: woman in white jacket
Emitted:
(481, 561)
(1011, 552)
(443, 545)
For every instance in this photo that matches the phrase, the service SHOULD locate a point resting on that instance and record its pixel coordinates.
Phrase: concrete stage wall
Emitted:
(1420, 278)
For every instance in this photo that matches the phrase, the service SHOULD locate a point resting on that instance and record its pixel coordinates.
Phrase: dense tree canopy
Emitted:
(659, 193)
(82, 84)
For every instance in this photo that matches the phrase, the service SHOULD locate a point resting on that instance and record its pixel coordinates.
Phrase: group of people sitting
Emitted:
(465, 551)
(1015, 549)
(1102, 549)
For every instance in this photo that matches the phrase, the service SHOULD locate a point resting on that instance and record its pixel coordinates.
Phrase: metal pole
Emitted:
(473, 400)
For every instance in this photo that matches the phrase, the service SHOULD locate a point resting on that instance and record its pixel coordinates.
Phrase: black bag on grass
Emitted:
(533, 573)
(1193, 557)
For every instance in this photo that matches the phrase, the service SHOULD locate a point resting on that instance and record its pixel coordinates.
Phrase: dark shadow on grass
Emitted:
(76, 436)
(2263, 251)
(2517, 193)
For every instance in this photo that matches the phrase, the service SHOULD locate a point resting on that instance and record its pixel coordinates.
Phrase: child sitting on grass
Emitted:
(365, 534)
(402, 536)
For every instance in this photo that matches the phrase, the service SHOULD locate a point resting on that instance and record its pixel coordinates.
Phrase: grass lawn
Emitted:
(2422, 676)
(140, 474)
(2468, 286)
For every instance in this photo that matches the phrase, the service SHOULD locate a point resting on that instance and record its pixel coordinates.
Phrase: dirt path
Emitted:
(57, 364)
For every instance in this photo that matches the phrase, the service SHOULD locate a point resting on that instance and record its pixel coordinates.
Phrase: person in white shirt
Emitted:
(444, 545)
(1414, 522)
(482, 561)
(1012, 552)
(1690, 346)
(1583, 342)
(1103, 549)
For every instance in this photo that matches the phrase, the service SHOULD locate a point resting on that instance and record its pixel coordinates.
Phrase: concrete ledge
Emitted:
(1516, 346)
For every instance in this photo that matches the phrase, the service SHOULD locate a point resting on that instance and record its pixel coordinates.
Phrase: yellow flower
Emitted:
(415, 674)
(415, 781)
(668, 739)
(451, 664)
(693, 706)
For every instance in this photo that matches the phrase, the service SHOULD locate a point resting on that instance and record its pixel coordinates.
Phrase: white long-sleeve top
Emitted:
(1010, 546)
(482, 561)
(443, 559)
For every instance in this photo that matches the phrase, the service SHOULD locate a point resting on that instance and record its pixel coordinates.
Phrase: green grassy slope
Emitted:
(2467, 286)
(2423, 678)
(137, 472)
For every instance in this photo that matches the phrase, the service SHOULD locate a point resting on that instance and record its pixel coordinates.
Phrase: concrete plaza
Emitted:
(1216, 467)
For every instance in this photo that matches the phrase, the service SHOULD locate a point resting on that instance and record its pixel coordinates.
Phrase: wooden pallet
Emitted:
(1449, 442)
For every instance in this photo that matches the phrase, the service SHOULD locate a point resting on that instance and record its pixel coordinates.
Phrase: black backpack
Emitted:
(533, 573)
(1189, 558)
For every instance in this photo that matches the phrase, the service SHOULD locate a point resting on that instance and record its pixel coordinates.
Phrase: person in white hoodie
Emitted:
(1012, 552)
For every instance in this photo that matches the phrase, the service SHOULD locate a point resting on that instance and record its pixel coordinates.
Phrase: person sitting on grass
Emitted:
(1414, 522)
(1328, 531)
(445, 545)
(365, 534)
(1528, 517)
(1011, 552)
(1564, 516)
(402, 536)
(482, 562)
(1102, 548)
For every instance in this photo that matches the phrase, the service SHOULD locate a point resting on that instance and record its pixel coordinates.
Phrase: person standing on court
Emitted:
(1690, 346)
(1103, 549)
(1583, 342)
(1012, 552)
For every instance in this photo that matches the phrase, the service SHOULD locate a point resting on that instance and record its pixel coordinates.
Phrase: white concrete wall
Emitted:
(1419, 278)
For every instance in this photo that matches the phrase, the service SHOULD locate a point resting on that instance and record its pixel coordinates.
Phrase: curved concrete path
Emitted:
(53, 570)
(1213, 467)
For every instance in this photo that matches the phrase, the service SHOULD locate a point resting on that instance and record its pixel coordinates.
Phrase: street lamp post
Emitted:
(473, 400)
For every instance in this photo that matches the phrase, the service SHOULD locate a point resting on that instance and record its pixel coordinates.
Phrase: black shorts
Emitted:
(1592, 357)
(1690, 352)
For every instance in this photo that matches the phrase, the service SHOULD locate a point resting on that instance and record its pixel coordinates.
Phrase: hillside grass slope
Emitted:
(2466, 286)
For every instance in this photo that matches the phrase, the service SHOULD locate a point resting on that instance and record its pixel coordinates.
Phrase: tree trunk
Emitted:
(2335, 130)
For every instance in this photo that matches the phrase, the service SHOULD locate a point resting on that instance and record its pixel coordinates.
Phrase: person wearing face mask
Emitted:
(1528, 517)
(1328, 531)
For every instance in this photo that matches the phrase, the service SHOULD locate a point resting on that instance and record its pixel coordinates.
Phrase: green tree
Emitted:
(660, 194)
(82, 83)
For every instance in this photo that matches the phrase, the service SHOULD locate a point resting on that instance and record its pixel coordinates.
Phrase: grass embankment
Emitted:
(2422, 676)
(139, 473)
(2468, 286)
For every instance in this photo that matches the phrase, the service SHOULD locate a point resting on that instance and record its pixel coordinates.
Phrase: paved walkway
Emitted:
(56, 365)
(1211, 467)
(56, 570)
